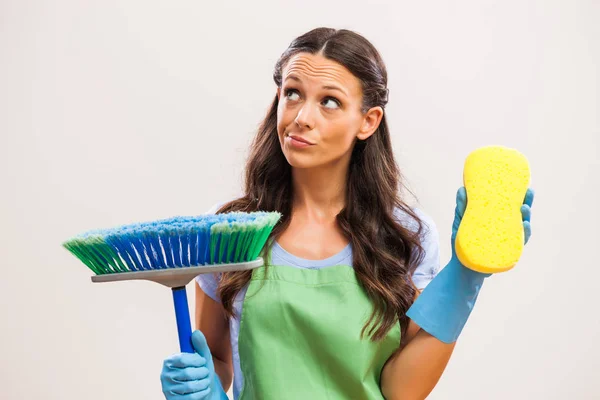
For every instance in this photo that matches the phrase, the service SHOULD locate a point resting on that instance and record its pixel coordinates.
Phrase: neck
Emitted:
(320, 191)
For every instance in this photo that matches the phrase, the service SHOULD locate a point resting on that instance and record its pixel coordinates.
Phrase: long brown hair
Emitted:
(385, 253)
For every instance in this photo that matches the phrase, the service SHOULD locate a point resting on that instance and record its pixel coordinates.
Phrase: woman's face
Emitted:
(319, 114)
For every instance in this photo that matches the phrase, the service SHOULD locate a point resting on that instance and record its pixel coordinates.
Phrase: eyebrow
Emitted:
(327, 87)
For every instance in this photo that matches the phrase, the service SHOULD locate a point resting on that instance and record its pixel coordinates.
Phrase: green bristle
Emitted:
(239, 250)
(260, 237)
(96, 254)
(224, 244)
(216, 236)
(250, 233)
(75, 247)
(110, 254)
(235, 228)
(264, 230)
(241, 241)
(254, 230)
(87, 249)
(90, 249)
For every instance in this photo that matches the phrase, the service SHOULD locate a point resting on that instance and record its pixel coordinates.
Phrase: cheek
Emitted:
(282, 119)
(340, 134)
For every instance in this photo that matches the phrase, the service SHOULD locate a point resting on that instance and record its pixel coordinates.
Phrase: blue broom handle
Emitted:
(182, 313)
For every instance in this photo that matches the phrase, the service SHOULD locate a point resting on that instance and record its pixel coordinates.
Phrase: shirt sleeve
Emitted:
(209, 282)
(429, 266)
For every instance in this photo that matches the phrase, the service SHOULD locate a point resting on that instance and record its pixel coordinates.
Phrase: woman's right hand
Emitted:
(191, 376)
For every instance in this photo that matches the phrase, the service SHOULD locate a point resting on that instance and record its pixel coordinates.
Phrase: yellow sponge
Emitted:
(490, 236)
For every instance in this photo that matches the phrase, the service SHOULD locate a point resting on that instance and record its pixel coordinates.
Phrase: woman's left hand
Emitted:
(444, 306)
(461, 206)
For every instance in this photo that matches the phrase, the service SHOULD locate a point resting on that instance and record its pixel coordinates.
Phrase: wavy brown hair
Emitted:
(385, 253)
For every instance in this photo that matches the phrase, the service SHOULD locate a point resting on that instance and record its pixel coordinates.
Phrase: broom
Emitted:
(174, 251)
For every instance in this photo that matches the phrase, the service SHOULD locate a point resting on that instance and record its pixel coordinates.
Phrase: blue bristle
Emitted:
(185, 246)
(116, 242)
(142, 261)
(174, 243)
(203, 244)
(127, 248)
(150, 251)
(166, 245)
(154, 240)
(199, 247)
(194, 245)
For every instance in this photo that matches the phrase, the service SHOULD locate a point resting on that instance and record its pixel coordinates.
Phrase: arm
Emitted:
(437, 315)
(211, 320)
(412, 372)
(415, 368)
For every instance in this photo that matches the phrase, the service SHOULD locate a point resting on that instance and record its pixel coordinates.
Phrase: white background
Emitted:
(116, 112)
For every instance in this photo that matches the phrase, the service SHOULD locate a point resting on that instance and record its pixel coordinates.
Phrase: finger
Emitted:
(526, 212)
(461, 201)
(459, 210)
(527, 230)
(188, 374)
(192, 387)
(198, 395)
(185, 360)
(529, 195)
(201, 346)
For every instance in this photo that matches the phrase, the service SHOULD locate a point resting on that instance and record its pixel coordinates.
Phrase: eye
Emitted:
(335, 103)
(291, 94)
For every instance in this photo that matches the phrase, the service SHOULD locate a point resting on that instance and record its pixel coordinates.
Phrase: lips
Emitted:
(300, 139)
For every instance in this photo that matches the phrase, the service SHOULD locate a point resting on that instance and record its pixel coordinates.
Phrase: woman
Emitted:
(328, 318)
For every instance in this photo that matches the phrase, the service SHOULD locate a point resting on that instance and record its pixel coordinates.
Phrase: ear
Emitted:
(370, 123)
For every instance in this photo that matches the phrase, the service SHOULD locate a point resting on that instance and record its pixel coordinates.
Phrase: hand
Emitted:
(191, 376)
(444, 306)
(461, 206)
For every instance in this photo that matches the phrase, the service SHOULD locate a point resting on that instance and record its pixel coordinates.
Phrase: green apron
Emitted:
(300, 336)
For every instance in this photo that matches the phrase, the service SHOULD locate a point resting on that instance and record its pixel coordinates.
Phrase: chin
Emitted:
(301, 161)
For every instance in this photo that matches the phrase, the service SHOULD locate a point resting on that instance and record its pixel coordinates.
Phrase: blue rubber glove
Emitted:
(442, 309)
(192, 376)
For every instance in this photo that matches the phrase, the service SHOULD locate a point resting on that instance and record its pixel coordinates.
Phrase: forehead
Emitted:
(321, 71)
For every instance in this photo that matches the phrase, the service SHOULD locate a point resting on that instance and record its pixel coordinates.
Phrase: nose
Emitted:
(305, 117)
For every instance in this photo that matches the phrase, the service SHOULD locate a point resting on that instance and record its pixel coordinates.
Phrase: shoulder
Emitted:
(429, 265)
(405, 219)
(215, 207)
